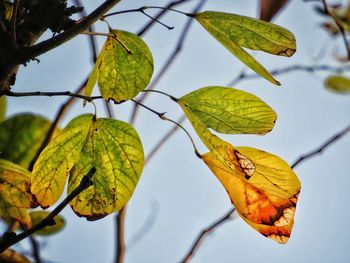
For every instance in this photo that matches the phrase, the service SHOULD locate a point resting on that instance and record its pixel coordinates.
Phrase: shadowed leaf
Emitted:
(266, 199)
(123, 68)
(21, 136)
(228, 110)
(15, 195)
(11, 256)
(338, 84)
(235, 32)
(38, 216)
(2, 108)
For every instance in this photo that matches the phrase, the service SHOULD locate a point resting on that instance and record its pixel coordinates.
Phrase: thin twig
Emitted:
(48, 94)
(307, 68)
(205, 232)
(170, 59)
(120, 252)
(11, 238)
(340, 27)
(321, 148)
(164, 139)
(36, 249)
(93, 45)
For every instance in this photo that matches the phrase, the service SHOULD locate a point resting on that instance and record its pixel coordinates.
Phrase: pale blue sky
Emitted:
(187, 196)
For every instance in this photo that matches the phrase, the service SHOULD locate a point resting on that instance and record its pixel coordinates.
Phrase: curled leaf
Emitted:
(267, 198)
(235, 31)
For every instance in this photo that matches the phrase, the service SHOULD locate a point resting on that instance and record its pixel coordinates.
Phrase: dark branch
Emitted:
(11, 238)
(321, 148)
(205, 232)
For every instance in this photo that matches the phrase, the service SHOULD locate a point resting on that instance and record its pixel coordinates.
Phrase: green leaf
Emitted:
(57, 159)
(38, 216)
(228, 110)
(111, 146)
(235, 31)
(114, 148)
(338, 84)
(21, 136)
(2, 108)
(15, 195)
(123, 68)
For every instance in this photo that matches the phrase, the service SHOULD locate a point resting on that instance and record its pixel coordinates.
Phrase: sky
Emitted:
(177, 195)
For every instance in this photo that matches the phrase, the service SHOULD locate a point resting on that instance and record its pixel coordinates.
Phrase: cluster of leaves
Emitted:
(262, 186)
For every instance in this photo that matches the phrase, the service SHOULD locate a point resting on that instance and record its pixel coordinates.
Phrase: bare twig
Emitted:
(35, 249)
(339, 25)
(307, 68)
(321, 148)
(206, 232)
(11, 238)
(170, 59)
(120, 239)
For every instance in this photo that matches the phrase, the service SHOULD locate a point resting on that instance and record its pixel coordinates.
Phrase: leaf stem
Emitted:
(163, 93)
(11, 238)
(162, 116)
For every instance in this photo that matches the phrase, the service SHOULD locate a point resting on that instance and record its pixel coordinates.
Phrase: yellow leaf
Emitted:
(338, 84)
(266, 197)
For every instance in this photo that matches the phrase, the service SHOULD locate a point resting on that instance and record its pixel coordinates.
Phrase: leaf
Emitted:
(266, 199)
(235, 31)
(123, 68)
(115, 149)
(228, 110)
(111, 146)
(21, 137)
(15, 195)
(38, 216)
(57, 159)
(269, 8)
(338, 84)
(2, 108)
(12, 256)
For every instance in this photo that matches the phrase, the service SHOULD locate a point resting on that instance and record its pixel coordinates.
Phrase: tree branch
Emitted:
(321, 148)
(11, 238)
(120, 253)
(206, 232)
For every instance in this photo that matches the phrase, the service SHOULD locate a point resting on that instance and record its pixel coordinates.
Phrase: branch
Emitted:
(11, 238)
(120, 253)
(48, 94)
(306, 68)
(339, 25)
(25, 54)
(321, 148)
(206, 232)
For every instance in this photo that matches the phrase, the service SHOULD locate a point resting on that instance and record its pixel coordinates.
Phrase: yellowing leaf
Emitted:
(123, 68)
(2, 108)
(267, 198)
(38, 216)
(338, 84)
(21, 136)
(228, 110)
(15, 195)
(111, 146)
(114, 148)
(57, 159)
(235, 31)
(11, 256)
